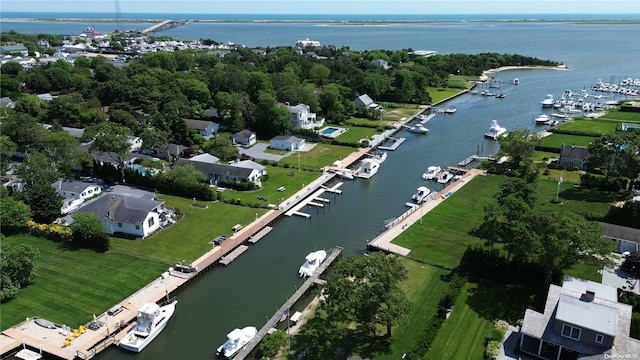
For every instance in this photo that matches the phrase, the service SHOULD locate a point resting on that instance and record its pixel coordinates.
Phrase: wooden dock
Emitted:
(227, 259)
(260, 234)
(395, 145)
(426, 118)
(273, 321)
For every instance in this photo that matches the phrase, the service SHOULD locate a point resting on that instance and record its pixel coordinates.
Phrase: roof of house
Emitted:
(45, 96)
(75, 132)
(12, 48)
(75, 186)
(211, 112)
(217, 169)
(176, 149)
(244, 133)
(573, 152)
(581, 286)
(290, 138)
(587, 314)
(365, 99)
(298, 108)
(6, 101)
(120, 208)
(206, 158)
(620, 232)
(200, 124)
(249, 165)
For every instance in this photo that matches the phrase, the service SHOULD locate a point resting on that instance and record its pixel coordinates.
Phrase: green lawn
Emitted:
(576, 199)
(397, 112)
(321, 155)
(190, 236)
(622, 116)
(433, 241)
(438, 94)
(71, 286)
(570, 177)
(355, 133)
(544, 155)
(290, 178)
(593, 126)
(555, 141)
(584, 271)
(354, 121)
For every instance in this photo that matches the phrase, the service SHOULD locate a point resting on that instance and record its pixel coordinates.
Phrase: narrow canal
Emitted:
(255, 285)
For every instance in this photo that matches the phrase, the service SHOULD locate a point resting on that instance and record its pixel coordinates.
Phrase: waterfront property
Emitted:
(219, 172)
(332, 131)
(581, 318)
(285, 142)
(364, 102)
(303, 118)
(574, 156)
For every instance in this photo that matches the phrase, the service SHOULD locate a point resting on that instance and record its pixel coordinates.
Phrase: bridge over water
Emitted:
(165, 25)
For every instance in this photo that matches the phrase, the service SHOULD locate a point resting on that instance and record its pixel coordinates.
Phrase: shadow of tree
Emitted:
(589, 195)
(493, 300)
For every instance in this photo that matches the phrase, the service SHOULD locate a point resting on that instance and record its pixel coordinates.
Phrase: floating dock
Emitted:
(395, 145)
(473, 158)
(275, 319)
(259, 235)
(227, 259)
(311, 200)
(426, 118)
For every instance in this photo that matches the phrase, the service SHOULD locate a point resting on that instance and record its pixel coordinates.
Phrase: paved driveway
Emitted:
(257, 152)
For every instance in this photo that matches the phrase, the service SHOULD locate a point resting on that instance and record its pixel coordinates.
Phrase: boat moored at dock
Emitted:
(311, 262)
(236, 340)
(432, 172)
(152, 319)
(444, 177)
(542, 119)
(418, 129)
(548, 101)
(422, 195)
(368, 168)
(495, 131)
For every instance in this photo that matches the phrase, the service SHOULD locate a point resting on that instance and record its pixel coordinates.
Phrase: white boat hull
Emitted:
(134, 343)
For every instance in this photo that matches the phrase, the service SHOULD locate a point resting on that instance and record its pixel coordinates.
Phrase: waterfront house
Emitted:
(365, 103)
(203, 127)
(127, 215)
(244, 138)
(307, 43)
(581, 319)
(574, 156)
(303, 118)
(628, 238)
(76, 189)
(286, 142)
(216, 173)
(6, 102)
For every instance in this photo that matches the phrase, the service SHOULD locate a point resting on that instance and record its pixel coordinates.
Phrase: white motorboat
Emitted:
(449, 110)
(311, 262)
(345, 173)
(495, 130)
(368, 168)
(542, 119)
(432, 172)
(236, 339)
(422, 195)
(151, 320)
(381, 156)
(548, 101)
(444, 177)
(418, 129)
(516, 81)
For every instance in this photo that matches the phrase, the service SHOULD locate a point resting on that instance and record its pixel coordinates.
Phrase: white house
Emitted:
(364, 102)
(306, 42)
(286, 142)
(303, 118)
(126, 215)
(220, 172)
(75, 189)
(381, 63)
(244, 138)
(206, 158)
(248, 164)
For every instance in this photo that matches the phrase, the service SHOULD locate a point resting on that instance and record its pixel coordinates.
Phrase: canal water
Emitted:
(253, 287)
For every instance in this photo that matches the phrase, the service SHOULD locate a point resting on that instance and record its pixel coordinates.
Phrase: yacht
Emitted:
(548, 101)
(432, 172)
(345, 173)
(381, 156)
(516, 81)
(444, 177)
(368, 168)
(151, 320)
(542, 119)
(311, 262)
(418, 128)
(422, 195)
(495, 131)
(236, 339)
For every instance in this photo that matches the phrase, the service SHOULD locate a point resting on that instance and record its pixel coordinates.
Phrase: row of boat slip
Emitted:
(368, 167)
(436, 173)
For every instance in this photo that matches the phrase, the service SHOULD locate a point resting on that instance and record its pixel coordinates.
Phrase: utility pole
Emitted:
(117, 15)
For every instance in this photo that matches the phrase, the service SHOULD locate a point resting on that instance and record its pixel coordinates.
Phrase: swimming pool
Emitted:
(328, 131)
(332, 131)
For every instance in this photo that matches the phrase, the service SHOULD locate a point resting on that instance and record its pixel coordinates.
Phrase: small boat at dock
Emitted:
(311, 262)
(495, 131)
(422, 195)
(432, 172)
(368, 168)
(542, 119)
(418, 129)
(236, 340)
(548, 101)
(152, 319)
(444, 177)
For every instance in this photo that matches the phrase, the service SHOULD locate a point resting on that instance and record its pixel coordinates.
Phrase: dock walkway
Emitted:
(273, 321)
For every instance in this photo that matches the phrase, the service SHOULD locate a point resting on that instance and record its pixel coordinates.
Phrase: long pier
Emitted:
(273, 321)
(165, 25)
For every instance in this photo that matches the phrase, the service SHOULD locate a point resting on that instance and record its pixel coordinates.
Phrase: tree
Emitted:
(44, 201)
(153, 138)
(18, 270)
(618, 153)
(221, 147)
(9, 87)
(88, 233)
(7, 147)
(59, 146)
(37, 168)
(11, 68)
(319, 74)
(111, 139)
(518, 144)
(631, 263)
(14, 215)
(365, 289)
(272, 343)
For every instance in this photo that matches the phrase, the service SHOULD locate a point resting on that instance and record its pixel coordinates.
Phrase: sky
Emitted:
(362, 7)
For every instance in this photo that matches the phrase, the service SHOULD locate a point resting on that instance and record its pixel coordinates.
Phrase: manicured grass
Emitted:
(397, 112)
(576, 199)
(555, 141)
(290, 178)
(584, 271)
(355, 133)
(622, 116)
(439, 94)
(321, 155)
(276, 151)
(543, 155)
(571, 177)
(71, 286)
(464, 335)
(593, 126)
(443, 236)
(190, 236)
(354, 121)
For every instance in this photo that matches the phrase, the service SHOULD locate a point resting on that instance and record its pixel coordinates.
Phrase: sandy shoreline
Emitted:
(487, 74)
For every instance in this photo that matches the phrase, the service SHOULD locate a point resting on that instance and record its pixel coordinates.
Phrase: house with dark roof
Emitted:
(69, 189)
(128, 215)
(574, 156)
(582, 319)
(14, 49)
(628, 238)
(286, 142)
(244, 138)
(364, 102)
(220, 172)
(172, 151)
(204, 127)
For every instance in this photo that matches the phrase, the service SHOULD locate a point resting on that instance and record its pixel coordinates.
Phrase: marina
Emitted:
(396, 143)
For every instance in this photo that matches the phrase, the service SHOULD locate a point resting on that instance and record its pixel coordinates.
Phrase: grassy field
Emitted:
(398, 112)
(544, 155)
(71, 286)
(555, 141)
(321, 155)
(355, 133)
(439, 94)
(621, 116)
(290, 178)
(570, 177)
(190, 237)
(354, 121)
(433, 242)
(576, 199)
(584, 271)
(593, 126)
